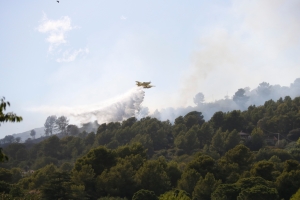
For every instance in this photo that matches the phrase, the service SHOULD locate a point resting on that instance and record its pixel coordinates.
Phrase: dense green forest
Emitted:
(245, 155)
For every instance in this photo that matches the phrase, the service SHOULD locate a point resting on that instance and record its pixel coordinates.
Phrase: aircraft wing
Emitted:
(146, 83)
(148, 86)
(138, 83)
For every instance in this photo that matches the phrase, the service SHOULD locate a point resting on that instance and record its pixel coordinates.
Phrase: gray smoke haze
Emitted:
(260, 36)
(241, 100)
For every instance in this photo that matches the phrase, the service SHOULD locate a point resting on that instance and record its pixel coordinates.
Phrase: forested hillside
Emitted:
(252, 154)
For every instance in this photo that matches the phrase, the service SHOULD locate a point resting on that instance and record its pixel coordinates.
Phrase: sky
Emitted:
(71, 57)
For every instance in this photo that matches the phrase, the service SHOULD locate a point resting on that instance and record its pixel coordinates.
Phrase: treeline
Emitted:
(152, 159)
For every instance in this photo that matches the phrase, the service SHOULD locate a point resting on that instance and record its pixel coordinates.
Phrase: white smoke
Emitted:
(255, 41)
(119, 109)
(258, 96)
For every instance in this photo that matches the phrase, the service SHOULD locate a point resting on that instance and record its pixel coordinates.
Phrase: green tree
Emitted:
(18, 139)
(99, 158)
(227, 171)
(233, 120)
(50, 125)
(5, 175)
(288, 183)
(90, 138)
(16, 174)
(241, 155)
(296, 196)
(245, 183)
(178, 128)
(118, 180)
(153, 176)
(202, 164)
(258, 192)
(179, 120)
(51, 147)
(205, 187)
(263, 169)
(58, 186)
(16, 191)
(188, 180)
(205, 134)
(43, 161)
(175, 195)
(199, 99)
(61, 124)
(145, 140)
(66, 166)
(188, 141)
(226, 192)
(144, 195)
(193, 118)
(232, 139)
(32, 133)
(10, 116)
(217, 142)
(257, 139)
(217, 120)
(85, 178)
(38, 178)
(6, 117)
(290, 165)
(3, 157)
(173, 173)
(133, 149)
(4, 187)
(124, 135)
(72, 130)
(129, 122)
(240, 98)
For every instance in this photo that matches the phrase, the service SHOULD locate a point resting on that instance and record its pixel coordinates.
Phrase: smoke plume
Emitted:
(241, 100)
(253, 39)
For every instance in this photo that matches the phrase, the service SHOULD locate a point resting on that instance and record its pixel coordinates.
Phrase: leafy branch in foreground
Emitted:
(7, 117)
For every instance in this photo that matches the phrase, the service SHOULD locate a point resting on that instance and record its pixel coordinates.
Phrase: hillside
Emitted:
(25, 135)
(149, 158)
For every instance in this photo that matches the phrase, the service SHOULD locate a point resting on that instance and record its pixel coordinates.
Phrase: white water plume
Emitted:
(118, 109)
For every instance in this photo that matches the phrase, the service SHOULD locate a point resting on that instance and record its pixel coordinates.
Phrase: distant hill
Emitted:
(25, 135)
(89, 127)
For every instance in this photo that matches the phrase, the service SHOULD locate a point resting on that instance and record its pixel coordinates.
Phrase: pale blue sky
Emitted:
(76, 53)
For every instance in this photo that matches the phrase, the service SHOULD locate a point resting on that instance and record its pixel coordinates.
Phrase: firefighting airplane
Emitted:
(144, 84)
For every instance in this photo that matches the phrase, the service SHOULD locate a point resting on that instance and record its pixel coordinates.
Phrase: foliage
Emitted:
(144, 195)
(257, 139)
(3, 157)
(240, 155)
(32, 133)
(259, 192)
(50, 125)
(263, 169)
(206, 186)
(146, 158)
(153, 176)
(61, 124)
(288, 183)
(188, 180)
(175, 195)
(99, 158)
(7, 117)
(226, 192)
(296, 196)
